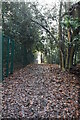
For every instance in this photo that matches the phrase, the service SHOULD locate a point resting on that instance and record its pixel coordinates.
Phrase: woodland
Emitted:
(54, 31)
(41, 60)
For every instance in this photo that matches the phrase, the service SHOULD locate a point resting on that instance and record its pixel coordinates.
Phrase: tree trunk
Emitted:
(41, 58)
(71, 57)
(70, 51)
(62, 61)
(61, 42)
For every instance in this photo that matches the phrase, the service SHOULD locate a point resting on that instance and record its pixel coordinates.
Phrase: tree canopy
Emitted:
(55, 30)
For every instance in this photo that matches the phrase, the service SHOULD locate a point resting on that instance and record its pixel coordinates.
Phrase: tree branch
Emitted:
(45, 29)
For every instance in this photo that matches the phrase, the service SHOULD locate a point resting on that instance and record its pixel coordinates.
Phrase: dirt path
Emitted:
(0, 100)
(41, 91)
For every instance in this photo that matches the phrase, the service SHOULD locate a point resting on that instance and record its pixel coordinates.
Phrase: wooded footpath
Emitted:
(41, 92)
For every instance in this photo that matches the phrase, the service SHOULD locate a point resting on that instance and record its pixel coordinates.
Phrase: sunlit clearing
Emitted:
(39, 57)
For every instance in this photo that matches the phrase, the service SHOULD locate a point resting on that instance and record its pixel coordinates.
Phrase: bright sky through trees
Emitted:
(42, 1)
(51, 1)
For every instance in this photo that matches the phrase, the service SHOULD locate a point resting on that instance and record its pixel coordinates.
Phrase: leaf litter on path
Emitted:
(41, 90)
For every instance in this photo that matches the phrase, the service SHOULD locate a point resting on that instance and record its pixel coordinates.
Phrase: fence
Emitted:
(8, 55)
(15, 55)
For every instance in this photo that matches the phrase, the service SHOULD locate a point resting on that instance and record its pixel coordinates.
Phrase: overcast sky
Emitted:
(52, 1)
(42, 1)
